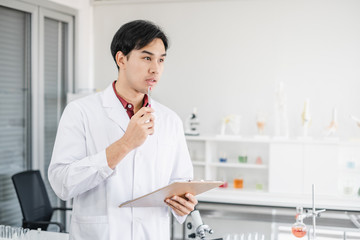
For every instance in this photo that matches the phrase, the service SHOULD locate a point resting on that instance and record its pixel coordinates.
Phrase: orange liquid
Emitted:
(261, 126)
(298, 232)
(238, 183)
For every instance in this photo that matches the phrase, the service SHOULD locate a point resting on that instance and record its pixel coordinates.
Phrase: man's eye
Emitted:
(147, 58)
(162, 60)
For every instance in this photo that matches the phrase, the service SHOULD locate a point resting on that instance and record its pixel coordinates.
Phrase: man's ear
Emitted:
(120, 59)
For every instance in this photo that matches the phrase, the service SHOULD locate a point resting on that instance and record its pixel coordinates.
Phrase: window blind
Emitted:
(14, 107)
(55, 80)
(51, 88)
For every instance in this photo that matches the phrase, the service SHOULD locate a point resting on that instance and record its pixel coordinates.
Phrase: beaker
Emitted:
(238, 183)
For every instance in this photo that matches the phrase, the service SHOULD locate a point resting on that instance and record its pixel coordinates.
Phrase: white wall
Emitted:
(226, 56)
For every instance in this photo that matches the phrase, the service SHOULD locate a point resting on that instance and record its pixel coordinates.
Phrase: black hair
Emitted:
(136, 35)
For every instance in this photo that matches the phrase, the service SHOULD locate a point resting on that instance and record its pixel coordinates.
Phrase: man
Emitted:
(112, 147)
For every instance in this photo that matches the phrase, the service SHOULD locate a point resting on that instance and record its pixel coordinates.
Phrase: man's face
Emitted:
(143, 67)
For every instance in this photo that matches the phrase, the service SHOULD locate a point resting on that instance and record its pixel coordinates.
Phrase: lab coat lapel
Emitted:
(114, 108)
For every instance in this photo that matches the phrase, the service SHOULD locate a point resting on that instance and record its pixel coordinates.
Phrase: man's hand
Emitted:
(182, 206)
(140, 126)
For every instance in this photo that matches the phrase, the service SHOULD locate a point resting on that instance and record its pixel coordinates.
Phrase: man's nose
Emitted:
(155, 67)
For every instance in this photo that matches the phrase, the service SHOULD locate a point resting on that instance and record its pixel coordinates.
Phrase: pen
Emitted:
(149, 96)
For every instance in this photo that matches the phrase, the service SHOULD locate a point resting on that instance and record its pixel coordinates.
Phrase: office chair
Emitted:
(34, 201)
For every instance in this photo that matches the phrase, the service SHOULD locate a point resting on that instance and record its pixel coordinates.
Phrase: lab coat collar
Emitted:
(114, 108)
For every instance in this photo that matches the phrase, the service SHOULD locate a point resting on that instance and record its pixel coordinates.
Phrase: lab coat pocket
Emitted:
(89, 227)
(164, 219)
(155, 222)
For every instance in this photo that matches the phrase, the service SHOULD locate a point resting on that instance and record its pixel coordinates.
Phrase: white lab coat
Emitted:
(79, 169)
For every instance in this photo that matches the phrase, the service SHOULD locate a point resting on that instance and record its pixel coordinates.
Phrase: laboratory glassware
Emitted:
(2, 231)
(238, 183)
(8, 233)
(234, 237)
(243, 236)
(298, 229)
(260, 123)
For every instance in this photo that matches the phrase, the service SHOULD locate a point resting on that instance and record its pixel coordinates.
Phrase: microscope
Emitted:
(199, 227)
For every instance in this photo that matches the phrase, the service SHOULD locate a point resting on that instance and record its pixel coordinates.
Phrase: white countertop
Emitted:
(44, 235)
(258, 198)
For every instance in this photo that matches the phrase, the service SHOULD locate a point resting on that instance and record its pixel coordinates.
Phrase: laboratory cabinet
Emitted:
(264, 165)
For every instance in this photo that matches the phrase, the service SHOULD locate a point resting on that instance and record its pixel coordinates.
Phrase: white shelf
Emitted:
(239, 165)
(197, 138)
(233, 191)
(351, 170)
(228, 138)
(257, 139)
(198, 163)
(263, 198)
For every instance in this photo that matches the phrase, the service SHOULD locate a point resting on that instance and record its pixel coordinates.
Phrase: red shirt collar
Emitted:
(128, 106)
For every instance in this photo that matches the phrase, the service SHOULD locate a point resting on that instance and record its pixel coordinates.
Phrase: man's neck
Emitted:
(129, 95)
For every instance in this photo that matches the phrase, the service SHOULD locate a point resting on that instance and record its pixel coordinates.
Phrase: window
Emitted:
(36, 64)
(14, 107)
(56, 58)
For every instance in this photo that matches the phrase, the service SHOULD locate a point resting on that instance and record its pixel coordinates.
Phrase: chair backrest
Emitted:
(33, 198)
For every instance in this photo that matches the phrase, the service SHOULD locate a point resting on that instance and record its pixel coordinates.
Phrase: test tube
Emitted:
(8, 233)
(2, 231)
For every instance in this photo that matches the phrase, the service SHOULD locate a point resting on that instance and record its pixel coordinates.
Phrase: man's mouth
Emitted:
(151, 81)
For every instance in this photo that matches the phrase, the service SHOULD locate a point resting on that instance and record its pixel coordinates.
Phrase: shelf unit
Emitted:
(288, 166)
(238, 165)
(207, 150)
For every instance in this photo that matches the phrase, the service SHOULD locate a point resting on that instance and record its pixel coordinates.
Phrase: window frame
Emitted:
(38, 10)
(31, 135)
(46, 13)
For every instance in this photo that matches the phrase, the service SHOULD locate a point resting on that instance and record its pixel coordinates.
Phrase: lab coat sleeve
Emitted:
(183, 169)
(72, 171)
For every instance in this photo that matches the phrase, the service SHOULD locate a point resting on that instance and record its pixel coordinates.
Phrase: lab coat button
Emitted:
(129, 106)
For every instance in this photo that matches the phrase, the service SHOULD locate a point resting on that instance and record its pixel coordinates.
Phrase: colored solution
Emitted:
(260, 126)
(259, 161)
(259, 186)
(242, 159)
(298, 231)
(238, 183)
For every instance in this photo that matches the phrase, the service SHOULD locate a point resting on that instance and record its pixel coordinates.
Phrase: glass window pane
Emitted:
(14, 99)
(55, 80)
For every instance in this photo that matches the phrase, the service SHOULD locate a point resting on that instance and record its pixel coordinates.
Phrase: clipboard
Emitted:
(157, 197)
